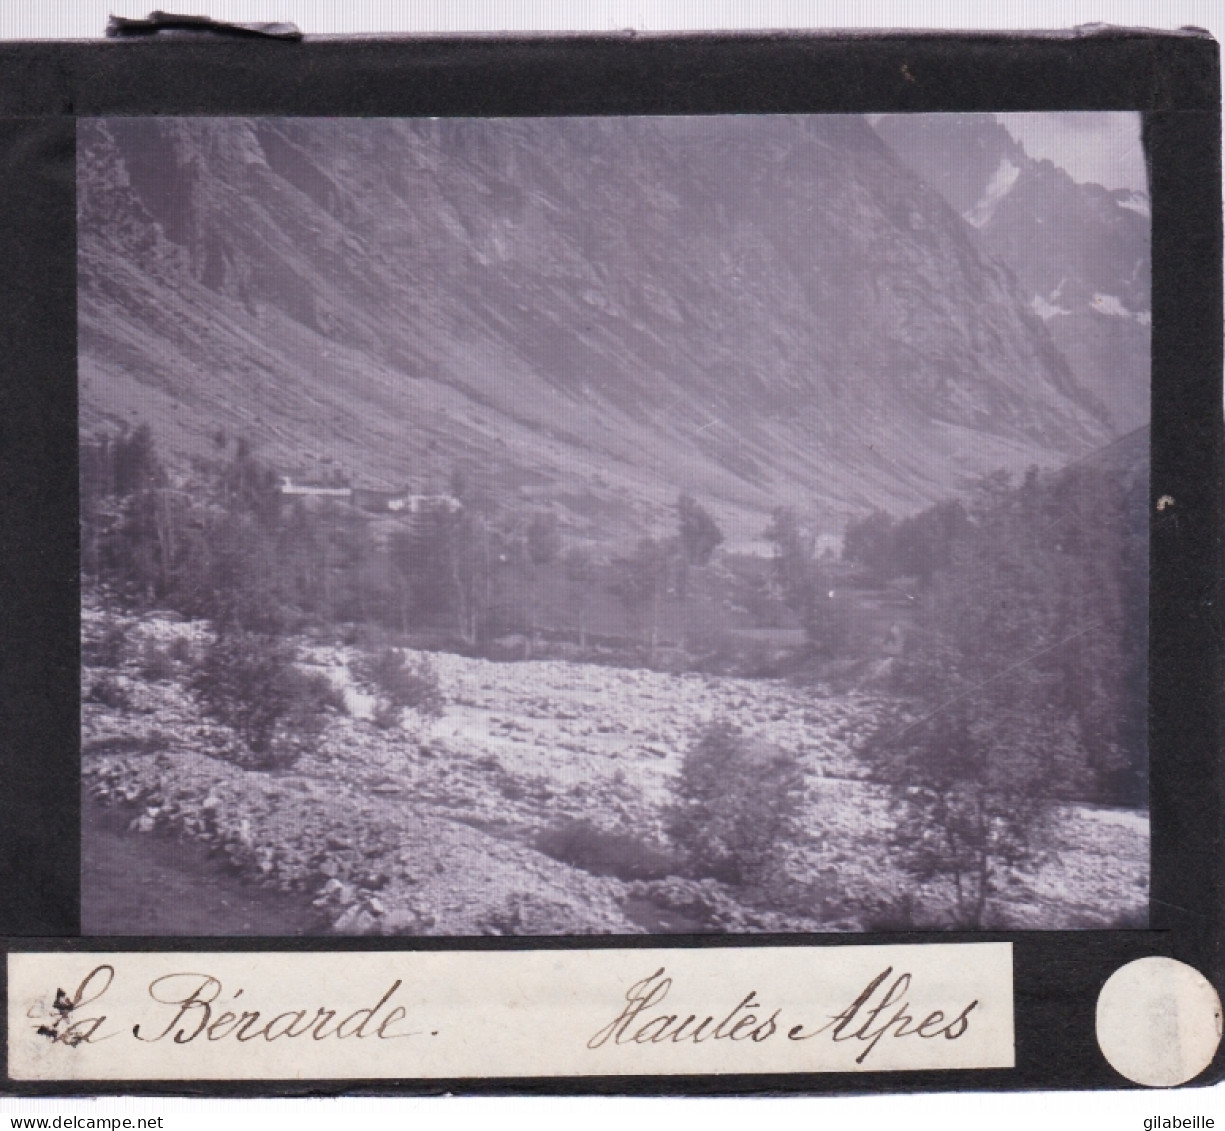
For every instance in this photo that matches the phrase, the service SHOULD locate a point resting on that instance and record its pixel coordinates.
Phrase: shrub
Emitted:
(900, 914)
(152, 743)
(155, 662)
(386, 714)
(251, 684)
(109, 648)
(315, 688)
(400, 683)
(737, 803)
(179, 650)
(109, 692)
(605, 853)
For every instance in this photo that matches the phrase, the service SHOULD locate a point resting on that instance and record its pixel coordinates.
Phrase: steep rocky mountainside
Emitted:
(593, 314)
(1079, 251)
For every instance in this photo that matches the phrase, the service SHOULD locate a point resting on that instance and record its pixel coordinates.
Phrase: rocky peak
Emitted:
(1080, 252)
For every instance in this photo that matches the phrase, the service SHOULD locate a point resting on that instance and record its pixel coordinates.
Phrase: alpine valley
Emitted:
(608, 526)
(595, 314)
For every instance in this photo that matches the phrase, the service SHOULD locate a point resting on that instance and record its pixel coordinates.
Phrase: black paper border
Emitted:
(1171, 77)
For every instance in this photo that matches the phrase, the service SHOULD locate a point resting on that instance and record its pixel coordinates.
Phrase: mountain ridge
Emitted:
(590, 314)
(1078, 250)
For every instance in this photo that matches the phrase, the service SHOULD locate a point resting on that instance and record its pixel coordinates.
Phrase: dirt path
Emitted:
(142, 884)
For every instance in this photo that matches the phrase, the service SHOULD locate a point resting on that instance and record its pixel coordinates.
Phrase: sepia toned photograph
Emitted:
(613, 526)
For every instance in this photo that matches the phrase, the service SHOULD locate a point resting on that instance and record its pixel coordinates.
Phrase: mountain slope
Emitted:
(1079, 251)
(593, 314)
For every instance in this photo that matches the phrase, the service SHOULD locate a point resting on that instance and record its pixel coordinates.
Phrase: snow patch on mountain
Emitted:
(1047, 309)
(1110, 304)
(1135, 201)
(1000, 185)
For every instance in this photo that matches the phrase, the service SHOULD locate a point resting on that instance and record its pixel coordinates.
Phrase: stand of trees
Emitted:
(229, 547)
(1025, 678)
(916, 547)
(659, 568)
(804, 586)
(1021, 686)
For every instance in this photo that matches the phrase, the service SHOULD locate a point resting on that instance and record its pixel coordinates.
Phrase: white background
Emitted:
(86, 19)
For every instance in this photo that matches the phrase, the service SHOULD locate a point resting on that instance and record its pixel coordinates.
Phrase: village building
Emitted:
(314, 490)
(372, 499)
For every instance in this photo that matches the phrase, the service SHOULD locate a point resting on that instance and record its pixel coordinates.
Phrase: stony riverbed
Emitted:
(433, 826)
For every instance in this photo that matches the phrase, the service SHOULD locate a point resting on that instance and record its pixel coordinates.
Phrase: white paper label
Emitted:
(469, 1014)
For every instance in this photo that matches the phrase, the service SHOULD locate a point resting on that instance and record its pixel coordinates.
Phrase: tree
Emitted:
(640, 579)
(250, 683)
(543, 538)
(446, 558)
(801, 583)
(1096, 521)
(922, 544)
(794, 565)
(134, 462)
(868, 542)
(914, 547)
(241, 575)
(249, 485)
(736, 805)
(580, 573)
(377, 585)
(1017, 678)
(699, 537)
(976, 785)
(305, 557)
(422, 553)
(543, 546)
(399, 683)
(132, 519)
(471, 574)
